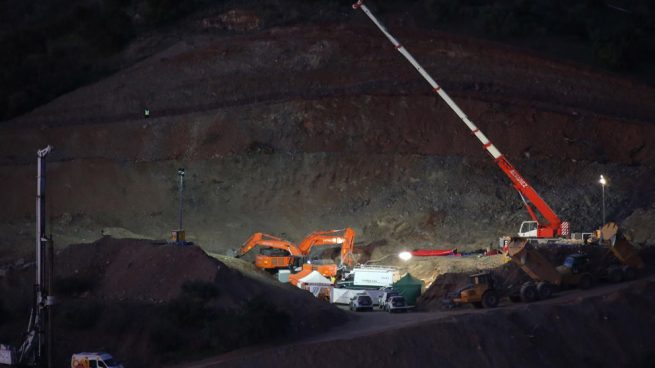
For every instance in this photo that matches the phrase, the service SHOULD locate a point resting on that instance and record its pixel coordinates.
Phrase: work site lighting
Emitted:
(405, 256)
(603, 182)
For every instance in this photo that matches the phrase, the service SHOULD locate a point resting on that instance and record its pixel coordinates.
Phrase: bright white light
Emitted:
(602, 180)
(405, 256)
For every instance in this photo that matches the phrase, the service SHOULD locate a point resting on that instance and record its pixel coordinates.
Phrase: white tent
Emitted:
(314, 283)
(314, 279)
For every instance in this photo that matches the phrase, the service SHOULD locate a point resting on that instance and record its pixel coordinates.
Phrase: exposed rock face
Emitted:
(293, 130)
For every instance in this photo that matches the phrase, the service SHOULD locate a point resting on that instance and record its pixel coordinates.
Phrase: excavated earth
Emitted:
(598, 329)
(296, 129)
(120, 295)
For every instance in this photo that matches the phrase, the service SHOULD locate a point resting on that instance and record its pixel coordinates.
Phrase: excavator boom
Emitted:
(345, 237)
(267, 241)
(552, 225)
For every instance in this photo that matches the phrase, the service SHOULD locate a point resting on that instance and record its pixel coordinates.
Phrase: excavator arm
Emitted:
(345, 237)
(551, 226)
(267, 241)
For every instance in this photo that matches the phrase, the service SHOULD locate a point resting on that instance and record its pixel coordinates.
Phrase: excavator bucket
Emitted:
(621, 247)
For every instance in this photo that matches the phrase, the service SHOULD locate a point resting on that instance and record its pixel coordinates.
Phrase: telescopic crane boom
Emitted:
(551, 226)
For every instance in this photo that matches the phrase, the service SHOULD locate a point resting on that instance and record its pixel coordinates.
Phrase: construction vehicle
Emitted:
(575, 271)
(94, 360)
(479, 292)
(275, 253)
(550, 226)
(614, 259)
(321, 240)
(36, 348)
(626, 263)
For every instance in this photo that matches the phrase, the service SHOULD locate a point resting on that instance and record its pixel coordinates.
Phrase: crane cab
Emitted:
(528, 229)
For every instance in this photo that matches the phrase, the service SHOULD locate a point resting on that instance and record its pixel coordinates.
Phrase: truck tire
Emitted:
(585, 281)
(544, 290)
(614, 275)
(629, 273)
(490, 299)
(528, 292)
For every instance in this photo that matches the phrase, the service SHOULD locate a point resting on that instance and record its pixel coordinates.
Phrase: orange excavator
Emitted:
(317, 240)
(275, 253)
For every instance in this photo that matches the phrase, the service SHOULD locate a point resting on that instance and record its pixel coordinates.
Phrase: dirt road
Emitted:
(369, 329)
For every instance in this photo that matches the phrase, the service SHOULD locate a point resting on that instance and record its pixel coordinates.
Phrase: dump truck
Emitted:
(614, 259)
(626, 262)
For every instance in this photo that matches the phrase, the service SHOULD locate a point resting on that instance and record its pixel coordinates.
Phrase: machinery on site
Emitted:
(550, 226)
(274, 253)
(320, 241)
(614, 259)
(36, 348)
(279, 254)
(480, 292)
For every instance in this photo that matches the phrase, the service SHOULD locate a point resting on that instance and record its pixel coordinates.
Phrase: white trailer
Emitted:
(380, 276)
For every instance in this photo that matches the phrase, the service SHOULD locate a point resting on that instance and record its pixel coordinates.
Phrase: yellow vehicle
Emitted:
(480, 292)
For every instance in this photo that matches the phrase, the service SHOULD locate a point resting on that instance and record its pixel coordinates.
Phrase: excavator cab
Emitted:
(480, 292)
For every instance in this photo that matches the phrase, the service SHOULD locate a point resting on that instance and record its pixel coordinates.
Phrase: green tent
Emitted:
(409, 287)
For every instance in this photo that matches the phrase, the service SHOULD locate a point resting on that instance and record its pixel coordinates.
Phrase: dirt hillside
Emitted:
(150, 303)
(599, 330)
(292, 130)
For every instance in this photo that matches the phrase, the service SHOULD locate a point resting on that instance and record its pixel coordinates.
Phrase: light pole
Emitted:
(180, 239)
(603, 182)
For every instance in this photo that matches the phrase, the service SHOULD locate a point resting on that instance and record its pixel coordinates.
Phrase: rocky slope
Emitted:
(296, 129)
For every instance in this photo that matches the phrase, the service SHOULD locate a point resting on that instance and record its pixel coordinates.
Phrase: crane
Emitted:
(551, 226)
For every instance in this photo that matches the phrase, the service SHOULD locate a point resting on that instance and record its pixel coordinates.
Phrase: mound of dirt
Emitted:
(602, 329)
(147, 271)
(149, 302)
(639, 227)
(137, 270)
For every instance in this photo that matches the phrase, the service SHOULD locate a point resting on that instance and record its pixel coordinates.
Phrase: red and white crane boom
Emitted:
(551, 226)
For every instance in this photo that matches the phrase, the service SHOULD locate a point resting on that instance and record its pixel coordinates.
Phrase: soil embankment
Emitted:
(151, 304)
(599, 328)
(290, 131)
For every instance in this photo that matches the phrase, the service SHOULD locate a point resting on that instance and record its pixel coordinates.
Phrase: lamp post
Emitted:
(180, 237)
(603, 182)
